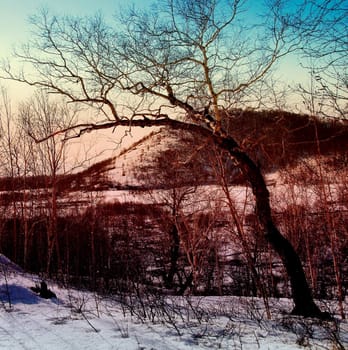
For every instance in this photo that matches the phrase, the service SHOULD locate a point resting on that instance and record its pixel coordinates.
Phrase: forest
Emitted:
(190, 227)
(238, 186)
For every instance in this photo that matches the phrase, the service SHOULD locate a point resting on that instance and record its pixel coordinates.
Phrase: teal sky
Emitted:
(15, 27)
(14, 15)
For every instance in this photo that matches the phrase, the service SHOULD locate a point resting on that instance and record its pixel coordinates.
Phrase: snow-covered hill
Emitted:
(83, 320)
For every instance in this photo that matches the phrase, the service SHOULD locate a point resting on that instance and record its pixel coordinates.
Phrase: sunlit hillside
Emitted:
(124, 209)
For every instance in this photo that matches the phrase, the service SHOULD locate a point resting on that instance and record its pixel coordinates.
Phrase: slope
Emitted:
(84, 320)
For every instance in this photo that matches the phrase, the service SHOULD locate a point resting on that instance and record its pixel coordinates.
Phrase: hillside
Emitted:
(137, 219)
(274, 139)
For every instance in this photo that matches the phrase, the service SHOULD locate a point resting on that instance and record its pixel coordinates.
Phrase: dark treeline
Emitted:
(278, 138)
(115, 248)
(183, 241)
(274, 139)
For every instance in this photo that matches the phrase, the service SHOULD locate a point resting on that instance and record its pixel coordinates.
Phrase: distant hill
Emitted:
(274, 139)
(278, 138)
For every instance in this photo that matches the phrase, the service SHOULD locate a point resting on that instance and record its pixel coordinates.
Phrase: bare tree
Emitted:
(41, 117)
(324, 26)
(18, 164)
(10, 144)
(173, 170)
(180, 64)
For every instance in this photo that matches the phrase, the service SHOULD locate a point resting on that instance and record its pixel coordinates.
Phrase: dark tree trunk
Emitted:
(174, 256)
(301, 293)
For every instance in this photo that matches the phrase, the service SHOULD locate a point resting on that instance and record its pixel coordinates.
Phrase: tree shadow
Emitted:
(17, 295)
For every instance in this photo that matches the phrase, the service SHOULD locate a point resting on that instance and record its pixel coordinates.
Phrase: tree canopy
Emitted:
(184, 58)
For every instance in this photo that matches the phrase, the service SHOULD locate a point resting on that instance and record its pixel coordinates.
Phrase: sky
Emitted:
(14, 15)
(15, 27)
(15, 30)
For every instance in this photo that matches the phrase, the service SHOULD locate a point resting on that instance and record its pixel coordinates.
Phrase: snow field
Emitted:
(83, 320)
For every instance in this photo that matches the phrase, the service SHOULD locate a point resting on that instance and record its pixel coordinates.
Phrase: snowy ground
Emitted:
(82, 320)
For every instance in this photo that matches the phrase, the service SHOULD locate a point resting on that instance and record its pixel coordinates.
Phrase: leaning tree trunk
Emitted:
(301, 293)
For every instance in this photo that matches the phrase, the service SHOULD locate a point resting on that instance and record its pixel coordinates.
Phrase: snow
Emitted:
(83, 320)
(80, 319)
